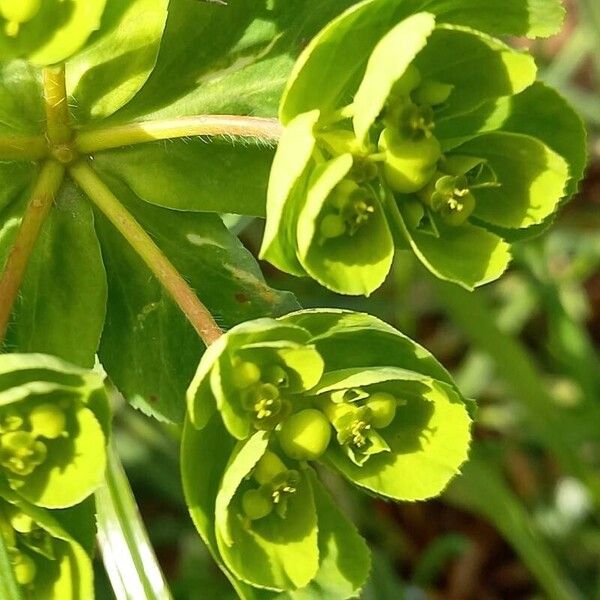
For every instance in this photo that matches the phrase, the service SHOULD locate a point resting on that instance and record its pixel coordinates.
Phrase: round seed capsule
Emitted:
(410, 164)
(47, 420)
(432, 92)
(24, 569)
(305, 435)
(256, 505)
(332, 226)
(245, 374)
(21, 522)
(383, 409)
(268, 467)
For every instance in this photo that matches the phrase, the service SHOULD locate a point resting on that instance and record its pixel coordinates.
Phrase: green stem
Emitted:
(40, 203)
(172, 281)
(9, 588)
(93, 140)
(23, 147)
(517, 368)
(128, 556)
(58, 128)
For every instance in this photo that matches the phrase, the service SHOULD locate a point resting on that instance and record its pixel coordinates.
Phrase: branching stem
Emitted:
(58, 128)
(37, 210)
(179, 290)
(23, 147)
(93, 140)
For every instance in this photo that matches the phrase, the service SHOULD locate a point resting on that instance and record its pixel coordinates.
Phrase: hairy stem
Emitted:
(209, 125)
(23, 147)
(58, 129)
(40, 203)
(179, 290)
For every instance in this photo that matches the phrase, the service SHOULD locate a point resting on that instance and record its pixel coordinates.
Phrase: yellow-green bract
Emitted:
(54, 425)
(421, 138)
(338, 387)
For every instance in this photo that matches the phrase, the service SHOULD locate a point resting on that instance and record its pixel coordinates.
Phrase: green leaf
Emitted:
(387, 63)
(21, 98)
(162, 348)
(343, 555)
(478, 66)
(539, 112)
(429, 440)
(194, 175)
(118, 59)
(467, 255)
(243, 67)
(65, 284)
(532, 179)
(349, 264)
(530, 18)
(329, 70)
(273, 552)
(56, 32)
(9, 587)
(286, 191)
(204, 457)
(15, 179)
(367, 342)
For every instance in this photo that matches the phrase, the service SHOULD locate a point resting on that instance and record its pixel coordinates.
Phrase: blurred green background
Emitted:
(523, 519)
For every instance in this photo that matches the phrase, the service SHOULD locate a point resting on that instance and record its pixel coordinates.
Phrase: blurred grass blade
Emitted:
(515, 365)
(128, 556)
(590, 19)
(566, 62)
(483, 490)
(9, 589)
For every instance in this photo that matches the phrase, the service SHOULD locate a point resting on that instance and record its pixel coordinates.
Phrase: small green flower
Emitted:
(255, 375)
(53, 429)
(43, 556)
(357, 435)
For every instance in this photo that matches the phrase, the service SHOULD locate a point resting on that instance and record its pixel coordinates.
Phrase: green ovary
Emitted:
(305, 435)
(17, 12)
(47, 420)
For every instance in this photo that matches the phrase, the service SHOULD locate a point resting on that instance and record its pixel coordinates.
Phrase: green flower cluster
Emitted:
(420, 139)
(54, 426)
(337, 387)
(43, 555)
